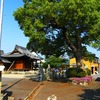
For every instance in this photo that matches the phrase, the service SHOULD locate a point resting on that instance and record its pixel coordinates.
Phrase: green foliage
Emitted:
(45, 65)
(96, 44)
(76, 72)
(88, 72)
(54, 62)
(59, 26)
(89, 56)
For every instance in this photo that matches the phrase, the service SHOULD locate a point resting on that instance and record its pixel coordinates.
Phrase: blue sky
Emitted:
(11, 33)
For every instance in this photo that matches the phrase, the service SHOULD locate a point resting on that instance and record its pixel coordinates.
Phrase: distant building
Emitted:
(93, 66)
(19, 59)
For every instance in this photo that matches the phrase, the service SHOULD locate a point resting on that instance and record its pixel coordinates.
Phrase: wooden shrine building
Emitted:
(19, 59)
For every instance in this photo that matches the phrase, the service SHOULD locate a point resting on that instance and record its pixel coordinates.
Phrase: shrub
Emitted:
(80, 72)
(71, 72)
(54, 61)
(76, 72)
(88, 72)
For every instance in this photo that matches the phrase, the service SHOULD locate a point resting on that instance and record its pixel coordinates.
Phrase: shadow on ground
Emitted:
(6, 94)
(93, 92)
(90, 94)
(98, 79)
(31, 77)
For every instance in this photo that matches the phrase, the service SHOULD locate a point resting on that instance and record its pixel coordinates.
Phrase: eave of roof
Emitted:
(12, 55)
(5, 61)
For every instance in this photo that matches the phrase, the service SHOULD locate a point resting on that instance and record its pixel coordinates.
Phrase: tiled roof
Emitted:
(20, 51)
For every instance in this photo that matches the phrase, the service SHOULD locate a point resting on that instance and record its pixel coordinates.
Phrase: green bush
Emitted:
(71, 72)
(54, 62)
(76, 72)
(88, 72)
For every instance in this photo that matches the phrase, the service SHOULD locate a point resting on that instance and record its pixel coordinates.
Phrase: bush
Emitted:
(54, 61)
(88, 72)
(71, 72)
(76, 72)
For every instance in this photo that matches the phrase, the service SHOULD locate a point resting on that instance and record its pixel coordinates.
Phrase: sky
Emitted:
(11, 33)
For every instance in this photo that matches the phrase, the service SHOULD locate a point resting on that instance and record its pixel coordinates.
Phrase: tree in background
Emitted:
(58, 26)
(55, 62)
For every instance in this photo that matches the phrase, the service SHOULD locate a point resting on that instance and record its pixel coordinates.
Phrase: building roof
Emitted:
(20, 51)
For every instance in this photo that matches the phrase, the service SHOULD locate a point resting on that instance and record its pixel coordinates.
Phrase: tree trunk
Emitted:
(76, 49)
(78, 58)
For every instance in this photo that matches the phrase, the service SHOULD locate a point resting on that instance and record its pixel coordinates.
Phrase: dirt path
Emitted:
(19, 88)
(66, 91)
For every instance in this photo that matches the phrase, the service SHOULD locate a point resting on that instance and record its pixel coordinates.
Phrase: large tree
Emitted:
(58, 26)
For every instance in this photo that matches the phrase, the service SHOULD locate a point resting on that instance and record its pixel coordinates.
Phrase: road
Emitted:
(66, 91)
(19, 88)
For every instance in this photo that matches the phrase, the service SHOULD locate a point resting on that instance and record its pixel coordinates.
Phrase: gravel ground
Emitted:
(66, 91)
(21, 86)
(18, 86)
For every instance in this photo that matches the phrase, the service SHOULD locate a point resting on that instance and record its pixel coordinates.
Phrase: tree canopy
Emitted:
(58, 26)
(56, 62)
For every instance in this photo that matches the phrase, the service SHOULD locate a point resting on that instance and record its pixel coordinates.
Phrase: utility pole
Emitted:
(1, 16)
(1, 67)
